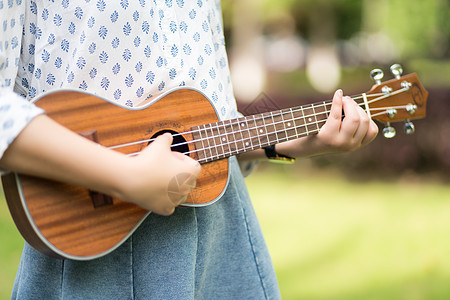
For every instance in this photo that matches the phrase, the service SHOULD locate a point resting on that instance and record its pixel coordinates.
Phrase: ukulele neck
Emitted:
(223, 139)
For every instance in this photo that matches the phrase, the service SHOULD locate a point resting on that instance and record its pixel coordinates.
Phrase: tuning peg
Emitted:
(389, 131)
(409, 127)
(377, 75)
(391, 113)
(411, 108)
(397, 70)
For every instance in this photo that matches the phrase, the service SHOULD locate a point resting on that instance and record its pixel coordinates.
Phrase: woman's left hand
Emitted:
(338, 134)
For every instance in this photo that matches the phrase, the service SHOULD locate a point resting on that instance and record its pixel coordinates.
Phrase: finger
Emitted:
(371, 133)
(160, 144)
(364, 124)
(351, 121)
(335, 116)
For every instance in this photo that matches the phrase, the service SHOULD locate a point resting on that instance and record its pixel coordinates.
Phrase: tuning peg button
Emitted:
(397, 70)
(377, 75)
(389, 131)
(386, 90)
(411, 108)
(409, 127)
(391, 113)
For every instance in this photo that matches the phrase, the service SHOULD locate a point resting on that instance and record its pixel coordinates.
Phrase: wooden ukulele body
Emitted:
(67, 221)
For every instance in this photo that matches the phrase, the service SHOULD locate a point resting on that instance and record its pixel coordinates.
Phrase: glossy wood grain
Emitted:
(60, 219)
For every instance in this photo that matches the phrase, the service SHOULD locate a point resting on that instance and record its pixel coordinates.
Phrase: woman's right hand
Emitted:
(157, 179)
(160, 179)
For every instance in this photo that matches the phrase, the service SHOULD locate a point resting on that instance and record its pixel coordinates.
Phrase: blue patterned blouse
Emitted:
(127, 50)
(124, 51)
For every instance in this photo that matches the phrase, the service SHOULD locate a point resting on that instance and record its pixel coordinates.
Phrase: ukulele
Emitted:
(66, 221)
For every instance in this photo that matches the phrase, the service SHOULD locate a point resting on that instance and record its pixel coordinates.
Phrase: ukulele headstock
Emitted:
(400, 99)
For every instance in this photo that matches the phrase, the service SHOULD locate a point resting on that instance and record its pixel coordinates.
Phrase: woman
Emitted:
(127, 51)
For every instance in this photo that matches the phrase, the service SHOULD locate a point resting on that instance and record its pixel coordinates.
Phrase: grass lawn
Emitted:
(335, 239)
(10, 250)
(331, 238)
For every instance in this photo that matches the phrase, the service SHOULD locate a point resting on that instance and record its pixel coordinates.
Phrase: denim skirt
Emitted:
(212, 252)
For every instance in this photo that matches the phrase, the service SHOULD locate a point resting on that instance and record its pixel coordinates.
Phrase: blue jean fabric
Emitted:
(213, 252)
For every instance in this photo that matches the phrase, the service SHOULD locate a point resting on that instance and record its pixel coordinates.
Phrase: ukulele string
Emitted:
(327, 102)
(232, 122)
(377, 97)
(243, 139)
(260, 145)
(236, 122)
(221, 124)
(286, 111)
(236, 151)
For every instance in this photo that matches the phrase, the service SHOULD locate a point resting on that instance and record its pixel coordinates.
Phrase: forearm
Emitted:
(46, 149)
(299, 148)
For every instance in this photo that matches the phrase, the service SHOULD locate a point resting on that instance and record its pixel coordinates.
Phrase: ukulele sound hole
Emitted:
(179, 144)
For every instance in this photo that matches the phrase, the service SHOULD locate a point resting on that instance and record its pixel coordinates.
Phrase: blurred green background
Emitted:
(372, 224)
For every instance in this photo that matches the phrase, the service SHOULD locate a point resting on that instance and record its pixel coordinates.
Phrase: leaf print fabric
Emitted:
(15, 111)
(125, 51)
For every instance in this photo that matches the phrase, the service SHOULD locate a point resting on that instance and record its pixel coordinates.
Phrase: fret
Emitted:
(216, 135)
(238, 138)
(207, 143)
(305, 122)
(299, 121)
(288, 123)
(327, 109)
(211, 141)
(245, 134)
(262, 130)
(310, 121)
(279, 126)
(294, 121)
(321, 114)
(315, 117)
(283, 131)
(224, 138)
(198, 136)
(251, 133)
(270, 129)
(249, 140)
(232, 144)
(254, 134)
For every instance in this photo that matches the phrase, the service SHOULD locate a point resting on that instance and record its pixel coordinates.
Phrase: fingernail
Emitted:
(340, 92)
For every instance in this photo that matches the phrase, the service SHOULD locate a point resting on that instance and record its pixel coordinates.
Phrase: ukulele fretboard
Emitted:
(222, 139)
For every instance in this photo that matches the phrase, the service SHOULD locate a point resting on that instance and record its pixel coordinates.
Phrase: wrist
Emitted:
(301, 148)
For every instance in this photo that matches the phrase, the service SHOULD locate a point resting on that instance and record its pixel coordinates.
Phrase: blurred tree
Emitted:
(418, 28)
(357, 34)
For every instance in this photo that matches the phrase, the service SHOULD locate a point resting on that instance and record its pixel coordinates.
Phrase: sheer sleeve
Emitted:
(15, 111)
